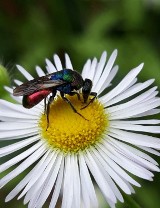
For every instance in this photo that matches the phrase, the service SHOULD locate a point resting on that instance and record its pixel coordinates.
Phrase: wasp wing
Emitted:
(36, 85)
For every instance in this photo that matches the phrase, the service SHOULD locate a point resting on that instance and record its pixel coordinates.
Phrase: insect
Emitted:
(65, 81)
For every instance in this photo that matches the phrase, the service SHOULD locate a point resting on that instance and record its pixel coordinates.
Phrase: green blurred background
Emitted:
(31, 31)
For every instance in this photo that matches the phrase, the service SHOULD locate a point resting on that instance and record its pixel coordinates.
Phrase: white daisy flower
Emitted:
(109, 143)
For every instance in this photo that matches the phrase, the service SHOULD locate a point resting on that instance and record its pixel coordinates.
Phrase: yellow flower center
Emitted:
(70, 132)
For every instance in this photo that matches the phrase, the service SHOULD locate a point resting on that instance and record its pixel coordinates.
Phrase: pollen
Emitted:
(70, 132)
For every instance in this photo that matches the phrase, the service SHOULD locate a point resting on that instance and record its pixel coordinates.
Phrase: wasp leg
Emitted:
(51, 99)
(75, 93)
(45, 105)
(91, 100)
(69, 102)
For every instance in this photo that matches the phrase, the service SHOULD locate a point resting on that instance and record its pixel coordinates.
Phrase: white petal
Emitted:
(68, 62)
(122, 85)
(19, 157)
(128, 152)
(11, 118)
(150, 150)
(24, 165)
(8, 126)
(50, 67)
(135, 151)
(40, 183)
(17, 99)
(6, 106)
(147, 121)
(85, 196)
(15, 116)
(49, 183)
(135, 110)
(39, 71)
(116, 167)
(17, 82)
(9, 135)
(86, 69)
(106, 71)
(106, 169)
(8, 89)
(57, 62)
(99, 68)
(87, 184)
(102, 183)
(133, 102)
(151, 96)
(37, 171)
(31, 175)
(76, 183)
(133, 127)
(109, 79)
(130, 187)
(18, 145)
(135, 138)
(113, 185)
(133, 83)
(58, 185)
(146, 113)
(91, 72)
(25, 73)
(68, 182)
(131, 91)
(127, 164)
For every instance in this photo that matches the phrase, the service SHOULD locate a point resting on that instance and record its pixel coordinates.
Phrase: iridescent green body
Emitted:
(73, 80)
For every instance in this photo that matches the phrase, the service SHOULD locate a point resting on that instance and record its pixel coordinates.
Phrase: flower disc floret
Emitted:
(68, 131)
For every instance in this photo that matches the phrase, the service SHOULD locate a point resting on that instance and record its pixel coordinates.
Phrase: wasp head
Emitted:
(86, 89)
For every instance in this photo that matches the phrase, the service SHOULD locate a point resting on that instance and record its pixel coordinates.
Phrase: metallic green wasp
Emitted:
(65, 81)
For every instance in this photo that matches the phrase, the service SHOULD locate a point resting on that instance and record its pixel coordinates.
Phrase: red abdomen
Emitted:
(30, 101)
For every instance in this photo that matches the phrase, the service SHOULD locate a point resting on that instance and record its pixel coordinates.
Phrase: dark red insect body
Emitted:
(30, 101)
